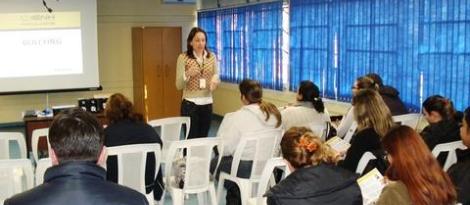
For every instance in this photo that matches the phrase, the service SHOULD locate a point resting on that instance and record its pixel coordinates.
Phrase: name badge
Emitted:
(202, 83)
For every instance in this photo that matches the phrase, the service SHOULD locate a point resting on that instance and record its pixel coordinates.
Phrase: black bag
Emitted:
(381, 163)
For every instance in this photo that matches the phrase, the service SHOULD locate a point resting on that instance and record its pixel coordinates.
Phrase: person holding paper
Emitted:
(197, 74)
(315, 178)
(373, 122)
(414, 175)
(459, 173)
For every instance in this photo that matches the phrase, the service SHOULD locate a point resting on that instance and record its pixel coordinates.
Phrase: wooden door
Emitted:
(137, 69)
(172, 48)
(153, 73)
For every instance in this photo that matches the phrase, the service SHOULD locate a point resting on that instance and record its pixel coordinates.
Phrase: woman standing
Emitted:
(197, 75)
(414, 175)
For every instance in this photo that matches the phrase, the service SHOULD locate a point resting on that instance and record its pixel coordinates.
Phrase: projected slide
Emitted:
(40, 44)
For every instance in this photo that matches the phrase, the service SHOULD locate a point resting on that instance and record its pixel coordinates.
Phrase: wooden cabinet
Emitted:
(155, 51)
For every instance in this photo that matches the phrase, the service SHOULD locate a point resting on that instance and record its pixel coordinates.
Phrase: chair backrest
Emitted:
(266, 176)
(170, 130)
(5, 138)
(16, 175)
(366, 157)
(38, 133)
(41, 166)
(264, 143)
(411, 119)
(448, 147)
(197, 162)
(318, 129)
(131, 163)
(350, 132)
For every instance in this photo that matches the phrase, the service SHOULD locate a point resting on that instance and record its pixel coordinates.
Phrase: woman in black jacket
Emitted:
(315, 178)
(126, 127)
(441, 116)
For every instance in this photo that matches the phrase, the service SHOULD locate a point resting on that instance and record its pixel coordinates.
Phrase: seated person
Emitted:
(373, 122)
(441, 116)
(308, 109)
(126, 127)
(315, 178)
(360, 84)
(390, 95)
(76, 177)
(414, 176)
(459, 173)
(254, 115)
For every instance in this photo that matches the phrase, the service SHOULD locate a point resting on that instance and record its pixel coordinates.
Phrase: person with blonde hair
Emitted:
(373, 122)
(414, 175)
(315, 178)
(361, 83)
(255, 115)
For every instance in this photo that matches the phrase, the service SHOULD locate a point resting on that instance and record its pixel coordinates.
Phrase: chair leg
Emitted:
(212, 195)
(220, 187)
(177, 197)
(201, 198)
(245, 191)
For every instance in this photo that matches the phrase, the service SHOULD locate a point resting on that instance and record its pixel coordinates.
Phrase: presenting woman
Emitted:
(197, 75)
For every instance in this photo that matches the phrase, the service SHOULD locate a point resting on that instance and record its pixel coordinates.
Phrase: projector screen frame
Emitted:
(52, 91)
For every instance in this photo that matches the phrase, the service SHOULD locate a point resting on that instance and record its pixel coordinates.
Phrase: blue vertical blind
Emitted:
(248, 40)
(418, 46)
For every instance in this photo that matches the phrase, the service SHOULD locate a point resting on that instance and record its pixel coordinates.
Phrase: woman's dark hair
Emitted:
(76, 135)
(441, 105)
(253, 93)
(376, 78)
(118, 108)
(466, 117)
(191, 35)
(365, 82)
(413, 164)
(311, 93)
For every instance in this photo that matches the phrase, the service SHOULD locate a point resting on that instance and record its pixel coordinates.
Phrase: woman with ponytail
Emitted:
(315, 178)
(414, 176)
(441, 116)
(308, 109)
(255, 115)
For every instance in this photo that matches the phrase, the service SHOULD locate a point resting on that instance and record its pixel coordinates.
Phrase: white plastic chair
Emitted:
(16, 176)
(5, 138)
(350, 132)
(268, 179)
(35, 136)
(366, 157)
(41, 167)
(132, 161)
(410, 120)
(170, 131)
(264, 144)
(197, 175)
(448, 147)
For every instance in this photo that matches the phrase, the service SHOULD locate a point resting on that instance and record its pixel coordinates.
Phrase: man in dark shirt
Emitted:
(76, 178)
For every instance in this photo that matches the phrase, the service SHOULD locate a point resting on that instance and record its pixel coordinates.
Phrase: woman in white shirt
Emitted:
(254, 115)
(308, 110)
